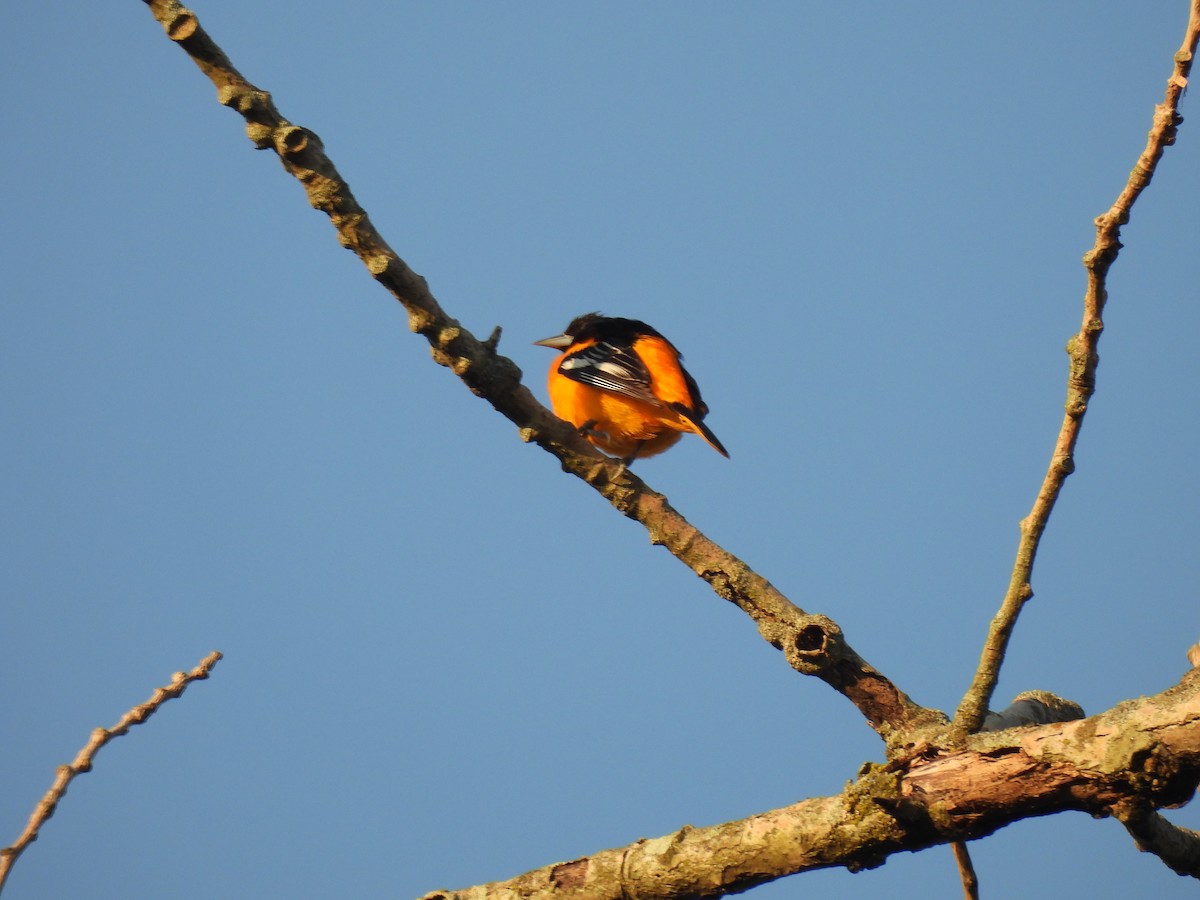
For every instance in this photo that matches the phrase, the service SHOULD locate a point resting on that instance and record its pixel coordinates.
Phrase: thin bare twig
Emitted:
(966, 870)
(84, 759)
(1081, 383)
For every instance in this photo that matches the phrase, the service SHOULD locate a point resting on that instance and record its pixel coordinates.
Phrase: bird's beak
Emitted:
(558, 342)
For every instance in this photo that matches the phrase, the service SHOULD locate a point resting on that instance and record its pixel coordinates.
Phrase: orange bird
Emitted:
(623, 385)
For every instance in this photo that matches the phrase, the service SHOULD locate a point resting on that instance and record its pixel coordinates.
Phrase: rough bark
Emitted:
(1144, 752)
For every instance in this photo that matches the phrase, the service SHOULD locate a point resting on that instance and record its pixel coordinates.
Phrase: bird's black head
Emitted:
(613, 329)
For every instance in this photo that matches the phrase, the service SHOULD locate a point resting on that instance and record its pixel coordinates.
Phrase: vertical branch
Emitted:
(84, 759)
(1081, 383)
(966, 870)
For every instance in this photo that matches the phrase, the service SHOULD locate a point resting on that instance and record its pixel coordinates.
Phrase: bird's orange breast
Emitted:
(620, 424)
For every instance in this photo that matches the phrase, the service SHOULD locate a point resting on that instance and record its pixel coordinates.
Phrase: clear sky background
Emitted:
(446, 661)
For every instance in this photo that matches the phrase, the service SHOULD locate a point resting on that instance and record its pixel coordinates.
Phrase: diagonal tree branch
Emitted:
(84, 759)
(1145, 751)
(1081, 384)
(812, 644)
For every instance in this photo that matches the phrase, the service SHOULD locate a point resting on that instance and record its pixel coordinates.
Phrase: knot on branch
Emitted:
(255, 107)
(1155, 772)
(811, 643)
(1081, 377)
(1108, 245)
(292, 140)
(181, 26)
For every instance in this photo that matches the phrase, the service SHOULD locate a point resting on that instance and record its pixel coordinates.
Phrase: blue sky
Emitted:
(447, 662)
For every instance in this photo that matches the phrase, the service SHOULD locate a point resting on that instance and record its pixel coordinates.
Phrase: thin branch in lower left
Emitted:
(84, 759)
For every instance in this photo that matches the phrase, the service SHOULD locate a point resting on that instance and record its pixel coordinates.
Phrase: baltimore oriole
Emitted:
(623, 385)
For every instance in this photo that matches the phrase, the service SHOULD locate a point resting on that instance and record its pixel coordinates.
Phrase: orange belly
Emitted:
(622, 424)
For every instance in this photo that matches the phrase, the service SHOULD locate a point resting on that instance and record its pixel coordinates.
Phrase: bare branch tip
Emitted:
(493, 340)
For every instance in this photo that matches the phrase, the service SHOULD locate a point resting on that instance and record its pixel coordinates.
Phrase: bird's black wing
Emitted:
(610, 367)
